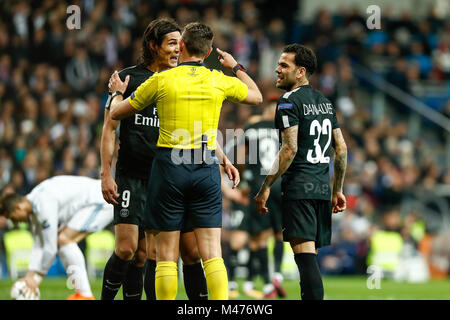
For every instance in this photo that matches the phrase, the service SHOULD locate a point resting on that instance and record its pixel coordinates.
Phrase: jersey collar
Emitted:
(191, 63)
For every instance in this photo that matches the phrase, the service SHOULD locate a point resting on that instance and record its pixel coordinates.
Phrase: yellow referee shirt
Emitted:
(188, 98)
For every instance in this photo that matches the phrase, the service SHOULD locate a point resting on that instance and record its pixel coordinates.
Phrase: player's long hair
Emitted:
(155, 32)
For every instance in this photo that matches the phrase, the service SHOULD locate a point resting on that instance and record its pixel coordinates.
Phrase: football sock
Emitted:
(73, 261)
(232, 264)
(216, 279)
(310, 279)
(133, 283)
(166, 280)
(278, 255)
(195, 282)
(149, 280)
(252, 265)
(263, 264)
(113, 276)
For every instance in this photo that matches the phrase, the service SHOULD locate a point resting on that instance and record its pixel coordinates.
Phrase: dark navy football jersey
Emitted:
(308, 175)
(139, 133)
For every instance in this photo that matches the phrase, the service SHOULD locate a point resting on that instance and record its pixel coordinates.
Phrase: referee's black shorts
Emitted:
(308, 219)
(183, 191)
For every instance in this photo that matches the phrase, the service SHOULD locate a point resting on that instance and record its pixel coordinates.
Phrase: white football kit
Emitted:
(64, 201)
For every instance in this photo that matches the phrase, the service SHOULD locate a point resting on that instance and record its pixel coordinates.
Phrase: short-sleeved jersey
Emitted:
(137, 134)
(262, 143)
(308, 175)
(189, 98)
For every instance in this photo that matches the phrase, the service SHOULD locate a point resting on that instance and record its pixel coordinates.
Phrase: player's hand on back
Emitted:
(226, 59)
(115, 84)
(338, 202)
(109, 190)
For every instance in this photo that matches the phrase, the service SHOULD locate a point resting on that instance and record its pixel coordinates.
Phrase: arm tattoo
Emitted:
(285, 156)
(340, 161)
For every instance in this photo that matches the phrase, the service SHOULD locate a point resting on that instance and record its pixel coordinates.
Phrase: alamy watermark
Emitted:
(374, 20)
(73, 21)
(74, 273)
(252, 146)
(375, 276)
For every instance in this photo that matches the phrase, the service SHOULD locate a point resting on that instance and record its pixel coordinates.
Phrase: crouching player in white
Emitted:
(62, 211)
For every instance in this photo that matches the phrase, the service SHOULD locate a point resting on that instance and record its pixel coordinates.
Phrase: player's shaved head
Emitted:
(8, 203)
(198, 38)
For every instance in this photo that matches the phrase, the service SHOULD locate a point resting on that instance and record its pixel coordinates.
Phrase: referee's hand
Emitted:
(232, 173)
(226, 59)
(115, 84)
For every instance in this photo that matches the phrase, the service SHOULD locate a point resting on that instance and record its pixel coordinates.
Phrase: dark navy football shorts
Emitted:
(186, 191)
(133, 194)
(308, 219)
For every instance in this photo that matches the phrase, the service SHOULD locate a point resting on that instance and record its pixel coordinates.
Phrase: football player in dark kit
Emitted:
(309, 130)
(128, 192)
(262, 145)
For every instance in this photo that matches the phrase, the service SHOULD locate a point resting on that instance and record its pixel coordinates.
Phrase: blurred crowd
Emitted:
(53, 87)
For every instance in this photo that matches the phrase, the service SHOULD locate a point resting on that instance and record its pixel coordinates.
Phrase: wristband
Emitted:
(116, 94)
(238, 67)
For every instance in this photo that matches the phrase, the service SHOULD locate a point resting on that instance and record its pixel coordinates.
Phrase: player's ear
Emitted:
(19, 206)
(182, 46)
(209, 52)
(301, 72)
(152, 45)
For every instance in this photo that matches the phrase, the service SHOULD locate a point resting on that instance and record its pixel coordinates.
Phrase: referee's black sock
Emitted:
(113, 276)
(310, 278)
(149, 279)
(133, 283)
(195, 281)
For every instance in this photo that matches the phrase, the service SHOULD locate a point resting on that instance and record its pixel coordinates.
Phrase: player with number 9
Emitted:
(309, 130)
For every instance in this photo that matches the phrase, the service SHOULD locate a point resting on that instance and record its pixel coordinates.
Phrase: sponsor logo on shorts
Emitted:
(124, 213)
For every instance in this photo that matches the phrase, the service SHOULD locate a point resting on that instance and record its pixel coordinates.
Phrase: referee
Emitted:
(189, 99)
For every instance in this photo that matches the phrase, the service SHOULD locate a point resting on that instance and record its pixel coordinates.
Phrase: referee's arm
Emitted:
(120, 109)
(254, 96)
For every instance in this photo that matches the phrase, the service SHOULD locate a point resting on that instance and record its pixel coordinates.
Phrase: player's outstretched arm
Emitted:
(254, 96)
(284, 159)
(338, 201)
(107, 147)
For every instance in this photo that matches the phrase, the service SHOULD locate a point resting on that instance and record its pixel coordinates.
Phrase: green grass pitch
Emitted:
(336, 288)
